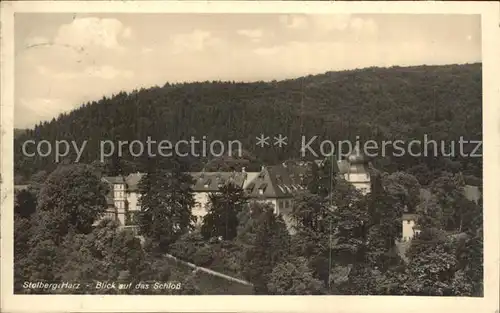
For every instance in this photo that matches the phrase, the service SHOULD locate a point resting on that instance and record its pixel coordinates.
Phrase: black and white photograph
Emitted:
(314, 153)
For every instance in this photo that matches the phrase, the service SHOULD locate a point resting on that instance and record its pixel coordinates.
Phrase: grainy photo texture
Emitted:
(248, 154)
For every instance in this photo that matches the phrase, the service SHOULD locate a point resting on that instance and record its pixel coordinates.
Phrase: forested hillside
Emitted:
(443, 102)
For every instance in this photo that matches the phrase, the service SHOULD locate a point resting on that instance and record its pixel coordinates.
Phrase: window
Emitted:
(207, 183)
(262, 188)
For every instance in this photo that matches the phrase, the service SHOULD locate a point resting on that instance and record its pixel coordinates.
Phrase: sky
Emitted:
(65, 60)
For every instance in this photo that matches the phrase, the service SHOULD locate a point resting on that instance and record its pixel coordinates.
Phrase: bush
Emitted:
(187, 246)
(204, 256)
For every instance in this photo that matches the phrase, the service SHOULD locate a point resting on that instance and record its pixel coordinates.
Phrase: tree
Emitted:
(312, 178)
(40, 262)
(80, 260)
(25, 203)
(386, 203)
(222, 217)
(37, 181)
(449, 192)
(349, 219)
(327, 176)
(422, 173)
(362, 279)
(166, 200)
(294, 278)
(310, 211)
(432, 270)
(23, 230)
(74, 197)
(248, 221)
(189, 286)
(103, 255)
(430, 214)
(269, 247)
(187, 246)
(470, 255)
(404, 188)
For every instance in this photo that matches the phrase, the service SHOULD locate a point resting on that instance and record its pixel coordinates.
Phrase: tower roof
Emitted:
(357, 157)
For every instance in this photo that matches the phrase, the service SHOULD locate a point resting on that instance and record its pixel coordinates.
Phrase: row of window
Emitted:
(110, 215)
(284, 204)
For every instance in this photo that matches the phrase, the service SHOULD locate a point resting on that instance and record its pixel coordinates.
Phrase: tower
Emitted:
(357, 172)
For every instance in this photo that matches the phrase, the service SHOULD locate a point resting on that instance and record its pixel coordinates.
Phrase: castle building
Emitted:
(276, 185)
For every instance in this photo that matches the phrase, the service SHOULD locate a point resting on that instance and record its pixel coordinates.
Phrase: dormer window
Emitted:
(207, 183)
(262, 188)
(221, 183)
(278, 179)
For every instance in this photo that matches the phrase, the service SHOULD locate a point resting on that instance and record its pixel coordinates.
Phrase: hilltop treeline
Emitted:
(442, 102)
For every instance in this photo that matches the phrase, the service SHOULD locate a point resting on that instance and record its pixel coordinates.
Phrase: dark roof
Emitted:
(20, 187)
(472, 193)
(212, 181)
(278, 181)
(203, 181)
(344, 167)
(409, 217)
(114, 179)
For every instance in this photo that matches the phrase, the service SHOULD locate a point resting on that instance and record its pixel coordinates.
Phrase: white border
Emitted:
(490, 12)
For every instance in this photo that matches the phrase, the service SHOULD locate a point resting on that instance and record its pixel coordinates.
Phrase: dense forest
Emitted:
(442, 102)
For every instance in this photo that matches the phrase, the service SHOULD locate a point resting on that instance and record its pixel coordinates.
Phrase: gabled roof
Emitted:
(114, 179)
(409, 217)
(212, 181)
(20, 187)
(203, 181)
(472, 193)
(278, 181)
